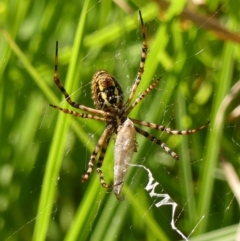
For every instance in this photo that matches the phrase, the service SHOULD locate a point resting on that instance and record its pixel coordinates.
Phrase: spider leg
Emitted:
(143, 95)
(142, 63)
(104, 137)
(168, 130)
(81, 115)
(158, 142)
(99, 165)
(67, 97)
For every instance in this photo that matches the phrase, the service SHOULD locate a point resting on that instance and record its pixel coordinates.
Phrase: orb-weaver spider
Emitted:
(107, 95)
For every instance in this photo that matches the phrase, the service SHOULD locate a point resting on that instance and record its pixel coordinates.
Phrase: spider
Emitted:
(108, 96)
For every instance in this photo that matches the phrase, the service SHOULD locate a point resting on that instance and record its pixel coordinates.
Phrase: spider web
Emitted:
(146, 196)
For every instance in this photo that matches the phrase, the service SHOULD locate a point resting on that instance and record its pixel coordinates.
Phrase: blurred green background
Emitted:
(43, 152)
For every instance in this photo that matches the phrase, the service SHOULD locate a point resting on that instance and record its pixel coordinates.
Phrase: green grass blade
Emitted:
(47, 198)
(114, 31)
(214, 137)
(185, 163)
(31, 70)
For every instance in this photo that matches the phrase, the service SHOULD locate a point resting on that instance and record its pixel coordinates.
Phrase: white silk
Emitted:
(125, 145)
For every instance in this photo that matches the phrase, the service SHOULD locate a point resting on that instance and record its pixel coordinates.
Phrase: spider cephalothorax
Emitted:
(108, 100)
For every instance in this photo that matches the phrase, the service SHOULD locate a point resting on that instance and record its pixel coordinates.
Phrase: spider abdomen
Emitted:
(107, 94)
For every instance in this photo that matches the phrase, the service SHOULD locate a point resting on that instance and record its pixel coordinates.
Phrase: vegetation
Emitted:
(43, 153)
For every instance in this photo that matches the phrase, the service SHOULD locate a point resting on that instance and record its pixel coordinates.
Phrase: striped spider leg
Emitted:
(142, 63)
(164, 129)
(67, 96)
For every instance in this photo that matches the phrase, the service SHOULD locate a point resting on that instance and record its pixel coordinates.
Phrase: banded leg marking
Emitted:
(81, 115)
(66, 95)
(142, 63)
(158, 142)
(106, 134)
(143, 95)
(169, 130)
(99, 165)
